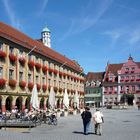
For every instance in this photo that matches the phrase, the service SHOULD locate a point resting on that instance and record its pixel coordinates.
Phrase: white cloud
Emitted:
(43, 7)
(11, 14)
(135, 37)
(88, 18)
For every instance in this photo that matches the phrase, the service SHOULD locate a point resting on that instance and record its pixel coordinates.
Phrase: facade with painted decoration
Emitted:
(121, 83)
(25, 61)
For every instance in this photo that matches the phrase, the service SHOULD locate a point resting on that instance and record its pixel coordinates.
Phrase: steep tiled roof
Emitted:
(113, 68)
(16, 36)
(91, 76)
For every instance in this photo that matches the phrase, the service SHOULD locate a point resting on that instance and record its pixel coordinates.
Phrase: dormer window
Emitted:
(1, 46)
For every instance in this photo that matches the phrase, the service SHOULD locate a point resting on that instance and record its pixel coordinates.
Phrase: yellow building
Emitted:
(25, 62)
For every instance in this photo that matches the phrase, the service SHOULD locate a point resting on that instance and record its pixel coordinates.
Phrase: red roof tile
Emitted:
(91, 76)
(18, 37)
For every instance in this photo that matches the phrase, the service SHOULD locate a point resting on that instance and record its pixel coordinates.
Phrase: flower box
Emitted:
(12, 57)
(38, 87)
(55, 71)
(2, 83)
(132, 79)
(44, 69)
(121, 91)
(60, 89)
(30, 86)
(38, 66)
(126, 80)
(132, 71)
(22, 84)
(2, 54)
(122, 80)
(51, 70)
(12, 83)
(60, 73)
(55, 89)
(31, 64)
(22, 61)
(137, 91)
(44, 87)
(137, 79)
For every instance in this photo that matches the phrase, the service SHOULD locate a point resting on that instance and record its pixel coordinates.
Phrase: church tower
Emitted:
(46, 38)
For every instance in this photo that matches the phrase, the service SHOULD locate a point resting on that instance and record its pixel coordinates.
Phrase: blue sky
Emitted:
(91, 32)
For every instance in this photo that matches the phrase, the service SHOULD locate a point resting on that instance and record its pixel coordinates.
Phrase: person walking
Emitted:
(98, 120)
(86, 117)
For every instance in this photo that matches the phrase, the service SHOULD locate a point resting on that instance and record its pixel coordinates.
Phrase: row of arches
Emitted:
(7, 103)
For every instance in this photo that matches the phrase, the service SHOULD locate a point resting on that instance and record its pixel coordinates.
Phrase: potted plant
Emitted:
(12, 57)
(38, 87)
(22, 84)
(2, 54)
(44, 88)
(38, 66)
(22, 61)
(31, 64)
(12, 83)
(44, 69)
(30, 86)
(2, 83)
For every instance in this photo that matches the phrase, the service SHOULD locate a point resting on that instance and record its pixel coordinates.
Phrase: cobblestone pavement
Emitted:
(119, 125)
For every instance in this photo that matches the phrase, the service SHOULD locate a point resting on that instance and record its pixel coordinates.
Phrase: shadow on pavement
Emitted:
(78, 132)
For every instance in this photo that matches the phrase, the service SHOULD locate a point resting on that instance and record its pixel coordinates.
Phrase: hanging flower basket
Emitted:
(44, 87)
(2, 83)
(22, 61)
(38, 66)
(38, 87)
(22, 84)
(44, 69)
(2, 54)
(30, 86)
(12, 83)
(51, 70)
(55, 89)
(31, 64)
(55, 71)
(60, 89)
(60, 73)
(12, 57)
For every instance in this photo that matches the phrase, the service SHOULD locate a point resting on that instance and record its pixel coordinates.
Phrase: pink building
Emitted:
(121, 83)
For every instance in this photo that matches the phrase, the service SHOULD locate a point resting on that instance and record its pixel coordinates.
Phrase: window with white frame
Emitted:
(1, 72)
(43, 80)
(1, 46)
(36, 79)
(11, 74)
(29, 78)
(138, 87)
(133, 88)
(11, 49)
(20, 76)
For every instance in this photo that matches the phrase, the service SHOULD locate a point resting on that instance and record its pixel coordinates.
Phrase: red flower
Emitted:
(31, 64)
(44, 87)
(38, 87)
(2, 83)
(30, 86)
(22, 60)
(22, 84)
(12, 57)
(55, 88)
(55, 71)
(51, 70)
(38, 66)
(60, 73)
(12, 83)
(44, 68)
(2, 54)
(60, 89)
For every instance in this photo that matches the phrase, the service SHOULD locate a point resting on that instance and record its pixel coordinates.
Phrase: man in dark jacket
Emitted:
(86, 116)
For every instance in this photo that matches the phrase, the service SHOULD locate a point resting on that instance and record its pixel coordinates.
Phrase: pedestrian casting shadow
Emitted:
(78, 132)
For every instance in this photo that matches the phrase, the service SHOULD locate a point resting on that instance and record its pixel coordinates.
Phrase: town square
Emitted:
(69, 69)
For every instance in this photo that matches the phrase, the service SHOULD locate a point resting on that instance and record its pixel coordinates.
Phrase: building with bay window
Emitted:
(25, 62)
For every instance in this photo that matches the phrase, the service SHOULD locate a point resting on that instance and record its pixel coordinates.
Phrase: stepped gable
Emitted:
(18, 37)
